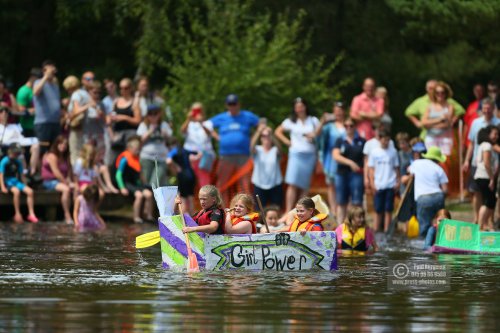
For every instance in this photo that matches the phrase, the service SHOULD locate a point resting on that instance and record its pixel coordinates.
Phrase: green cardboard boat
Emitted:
(465, 238)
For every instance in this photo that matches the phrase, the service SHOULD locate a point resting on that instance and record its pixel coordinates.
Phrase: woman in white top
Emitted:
(198, 139)
(266, 176)
(154, 133)
(438, 119)
(486, 174)
(301, 152)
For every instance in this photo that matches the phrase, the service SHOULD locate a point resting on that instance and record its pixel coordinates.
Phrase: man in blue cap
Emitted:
(233, 132)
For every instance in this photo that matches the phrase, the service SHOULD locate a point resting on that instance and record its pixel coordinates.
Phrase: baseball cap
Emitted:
(419, 147)
(232, 99)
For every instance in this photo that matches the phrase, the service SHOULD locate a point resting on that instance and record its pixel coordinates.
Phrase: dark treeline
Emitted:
(399, 42)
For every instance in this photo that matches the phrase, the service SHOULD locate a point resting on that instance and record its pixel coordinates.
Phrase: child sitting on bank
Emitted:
(86, 171)
(85, 212)
(308, 218)
(210, 218)
(354, 234)
(128, 179)
(11, 179)
(271, 214)
(430, 239)
(383, 173)
(241, 218)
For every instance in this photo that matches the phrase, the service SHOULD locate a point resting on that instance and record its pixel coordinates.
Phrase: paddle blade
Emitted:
(193, 263)
(147, 240)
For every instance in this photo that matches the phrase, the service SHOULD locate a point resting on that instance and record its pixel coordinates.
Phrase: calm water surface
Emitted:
(54, 280)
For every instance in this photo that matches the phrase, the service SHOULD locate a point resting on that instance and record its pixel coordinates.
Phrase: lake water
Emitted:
(54, 280)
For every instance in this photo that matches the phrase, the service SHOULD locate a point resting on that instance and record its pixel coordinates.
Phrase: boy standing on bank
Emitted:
(383, 164)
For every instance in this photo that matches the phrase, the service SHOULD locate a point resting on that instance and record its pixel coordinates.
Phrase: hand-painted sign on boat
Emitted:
(173, 245)
(464, 237)
(278, 252)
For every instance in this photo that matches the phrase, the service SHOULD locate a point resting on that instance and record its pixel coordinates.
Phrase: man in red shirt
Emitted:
(367, 109)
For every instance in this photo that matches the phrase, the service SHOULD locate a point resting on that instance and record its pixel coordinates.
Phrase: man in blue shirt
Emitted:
(233, 132)
(47, 101)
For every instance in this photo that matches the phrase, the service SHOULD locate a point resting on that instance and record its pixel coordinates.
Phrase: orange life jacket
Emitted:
(252, 218)
(132, 160)
(307, 225)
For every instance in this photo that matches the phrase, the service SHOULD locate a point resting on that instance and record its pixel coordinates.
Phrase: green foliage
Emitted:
(215, 48)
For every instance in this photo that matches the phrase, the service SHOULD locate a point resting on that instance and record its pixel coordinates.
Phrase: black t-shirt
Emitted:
(352, 151)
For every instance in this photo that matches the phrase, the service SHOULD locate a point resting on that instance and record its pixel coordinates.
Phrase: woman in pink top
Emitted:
(56, 173)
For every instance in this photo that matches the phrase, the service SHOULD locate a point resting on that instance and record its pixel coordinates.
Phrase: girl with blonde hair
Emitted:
(241, 218)
(354, 234)
(210, 218)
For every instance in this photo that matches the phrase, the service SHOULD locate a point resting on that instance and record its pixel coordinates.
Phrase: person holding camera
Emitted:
(330, 129)
(198, 138)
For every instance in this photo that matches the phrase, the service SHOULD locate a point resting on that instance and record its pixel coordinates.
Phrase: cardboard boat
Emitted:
(288, 251)
(465, 238)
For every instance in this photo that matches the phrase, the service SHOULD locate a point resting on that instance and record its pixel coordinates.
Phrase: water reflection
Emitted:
(55, 280)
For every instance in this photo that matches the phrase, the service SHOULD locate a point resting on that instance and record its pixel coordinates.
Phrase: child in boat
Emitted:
(241, 218)
(210, 218)
(430, 239)
(85, 212)
(271, 214)
(308, 218)
(354, 234)
(128, 178)
(11, 174)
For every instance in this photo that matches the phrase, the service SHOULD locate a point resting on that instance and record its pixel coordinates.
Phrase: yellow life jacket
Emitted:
(355, 242)
(252, 218)
(309, 224)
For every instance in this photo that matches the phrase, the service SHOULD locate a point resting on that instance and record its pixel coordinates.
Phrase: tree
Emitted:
(220, 47)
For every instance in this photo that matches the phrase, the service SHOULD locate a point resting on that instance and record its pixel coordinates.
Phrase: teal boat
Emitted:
(465, 238)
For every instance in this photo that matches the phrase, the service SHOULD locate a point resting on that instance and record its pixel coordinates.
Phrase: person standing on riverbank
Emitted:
(366, 109)
(302, 153)
(198, 138)
(419, 106)
(233, 131)
(348, 152)
(47, 100)
(330, 129)
(487, 118)
(383, 170)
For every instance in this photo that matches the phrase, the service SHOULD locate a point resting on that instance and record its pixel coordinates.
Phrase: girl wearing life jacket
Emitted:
(241, 218)
(354, 234)
(308, 218)
(210, 218)
(430, 239)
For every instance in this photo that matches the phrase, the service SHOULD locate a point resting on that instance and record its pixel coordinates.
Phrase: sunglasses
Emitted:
(439, 92)
(338, 104)
(125, 88)
(349, 125)
(232, 104)
(88, 78)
